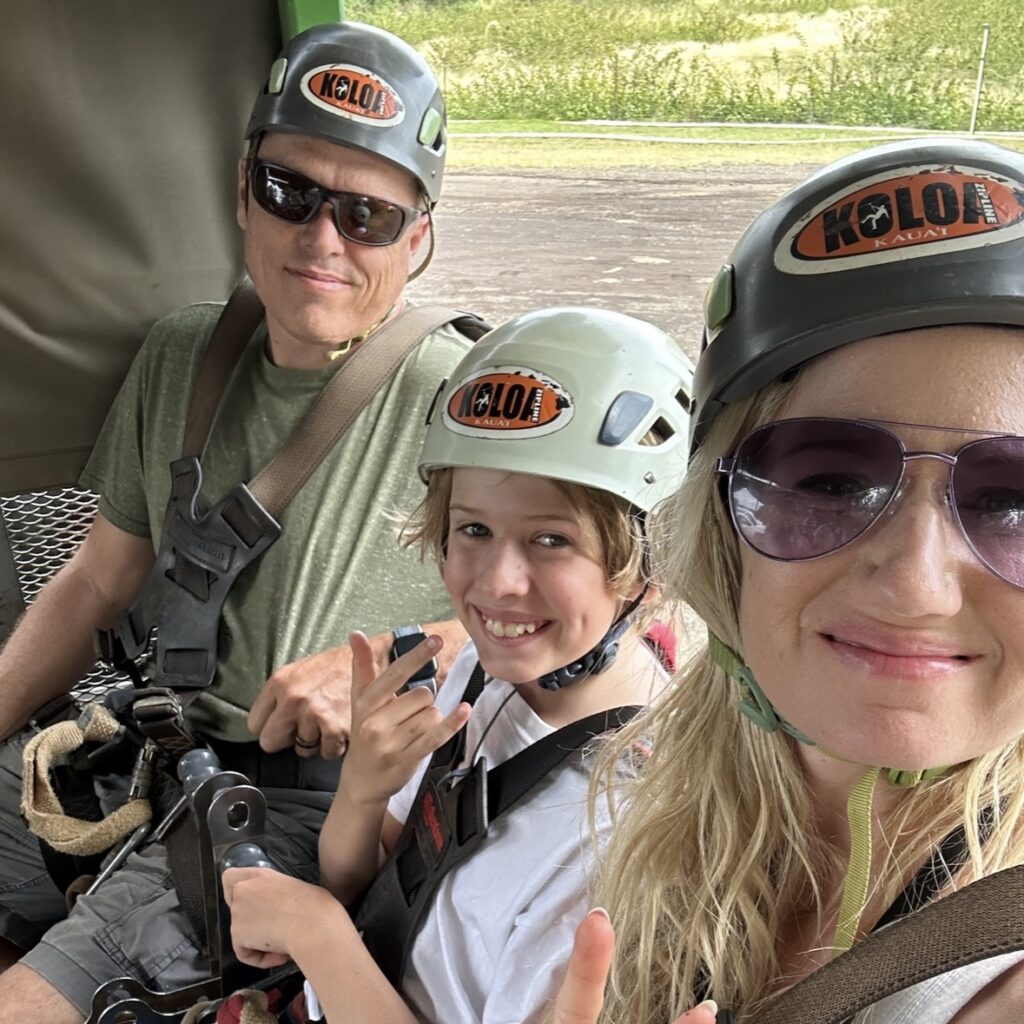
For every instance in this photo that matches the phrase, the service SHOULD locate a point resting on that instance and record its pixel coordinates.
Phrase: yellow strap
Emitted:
(858, 871)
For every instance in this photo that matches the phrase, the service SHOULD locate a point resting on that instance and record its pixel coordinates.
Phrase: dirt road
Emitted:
(644, 242)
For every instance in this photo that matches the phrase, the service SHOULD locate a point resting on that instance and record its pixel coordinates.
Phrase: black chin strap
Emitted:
(598, 658)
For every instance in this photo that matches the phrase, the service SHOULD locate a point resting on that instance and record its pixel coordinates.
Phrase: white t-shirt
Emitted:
(938, 1000)
(494, 945)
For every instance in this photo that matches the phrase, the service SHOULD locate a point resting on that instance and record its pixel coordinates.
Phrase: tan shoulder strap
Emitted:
(983, 920)
(239, 318)
(344, 396)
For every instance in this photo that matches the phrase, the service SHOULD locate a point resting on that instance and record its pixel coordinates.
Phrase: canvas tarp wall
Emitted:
(120, 129)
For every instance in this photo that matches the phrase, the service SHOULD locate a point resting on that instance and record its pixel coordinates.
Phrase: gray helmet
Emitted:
(911, 234)
(359, 86)
(572, 393)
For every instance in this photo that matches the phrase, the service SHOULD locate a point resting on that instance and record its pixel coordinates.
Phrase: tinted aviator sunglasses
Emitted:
(802, 488)
(293, 197)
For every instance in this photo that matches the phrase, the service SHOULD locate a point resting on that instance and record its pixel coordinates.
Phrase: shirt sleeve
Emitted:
(115, 467)
(145, 425)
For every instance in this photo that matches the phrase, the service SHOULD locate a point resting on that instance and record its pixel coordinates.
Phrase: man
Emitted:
(345, 161)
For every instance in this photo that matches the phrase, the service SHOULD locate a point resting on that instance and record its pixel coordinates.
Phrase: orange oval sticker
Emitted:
(353, 92)
(914, 208)
(508, 398)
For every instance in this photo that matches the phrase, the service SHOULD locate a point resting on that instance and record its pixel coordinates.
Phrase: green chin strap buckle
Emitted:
(753, 702)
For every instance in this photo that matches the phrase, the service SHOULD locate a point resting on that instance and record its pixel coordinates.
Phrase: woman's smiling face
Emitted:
(900, 649)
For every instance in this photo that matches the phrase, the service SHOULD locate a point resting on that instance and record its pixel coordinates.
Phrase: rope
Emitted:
(39, 802)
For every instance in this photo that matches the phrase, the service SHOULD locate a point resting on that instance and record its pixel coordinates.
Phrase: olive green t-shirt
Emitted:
(337, 565)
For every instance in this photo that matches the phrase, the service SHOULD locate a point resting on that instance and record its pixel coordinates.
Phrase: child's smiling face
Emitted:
(525, 573)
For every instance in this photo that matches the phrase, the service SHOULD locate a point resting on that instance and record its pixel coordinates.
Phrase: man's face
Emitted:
(320, 289)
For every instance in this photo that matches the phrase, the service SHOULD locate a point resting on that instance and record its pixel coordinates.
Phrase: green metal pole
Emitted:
(298, 15)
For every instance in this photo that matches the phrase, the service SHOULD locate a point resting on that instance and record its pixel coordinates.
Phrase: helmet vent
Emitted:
(659, 432)
(624, 415)
(684, 400)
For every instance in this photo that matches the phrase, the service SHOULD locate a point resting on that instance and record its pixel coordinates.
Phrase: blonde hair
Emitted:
(614, 530)
(711, 855)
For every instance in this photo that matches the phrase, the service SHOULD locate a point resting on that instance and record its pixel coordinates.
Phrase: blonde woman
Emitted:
(849, 745)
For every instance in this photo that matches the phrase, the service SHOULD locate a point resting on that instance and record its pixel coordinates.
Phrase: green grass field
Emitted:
(536, 63)
(543, 145)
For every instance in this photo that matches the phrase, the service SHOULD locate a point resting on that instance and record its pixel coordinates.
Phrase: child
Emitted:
(560, 432)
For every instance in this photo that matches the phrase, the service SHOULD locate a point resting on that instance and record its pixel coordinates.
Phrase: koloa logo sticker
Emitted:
(353, 92)
(904, 214)
(508, 399)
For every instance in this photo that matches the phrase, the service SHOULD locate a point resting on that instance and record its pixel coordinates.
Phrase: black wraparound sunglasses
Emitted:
(293, 197)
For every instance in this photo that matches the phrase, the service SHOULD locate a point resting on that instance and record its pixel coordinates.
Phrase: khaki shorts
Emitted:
(133, 925)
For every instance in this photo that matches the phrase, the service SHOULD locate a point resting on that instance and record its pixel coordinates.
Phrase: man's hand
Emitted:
(581, 996)
(306, 705)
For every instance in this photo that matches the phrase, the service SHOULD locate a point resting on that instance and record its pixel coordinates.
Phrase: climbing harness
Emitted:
(449, 821)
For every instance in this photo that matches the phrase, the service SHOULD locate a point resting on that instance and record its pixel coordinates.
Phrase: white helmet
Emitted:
(577, 394)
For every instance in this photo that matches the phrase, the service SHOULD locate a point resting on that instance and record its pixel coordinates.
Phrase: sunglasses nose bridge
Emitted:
(337, 203)
(321, 199)
(939, 486)
(314, 222)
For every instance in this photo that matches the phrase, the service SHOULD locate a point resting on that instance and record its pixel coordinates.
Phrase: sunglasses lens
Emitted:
(285, 194)
(802, 488)
(988, 491)
(368, 220)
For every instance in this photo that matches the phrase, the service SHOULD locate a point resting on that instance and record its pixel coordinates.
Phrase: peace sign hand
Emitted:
(392, 729)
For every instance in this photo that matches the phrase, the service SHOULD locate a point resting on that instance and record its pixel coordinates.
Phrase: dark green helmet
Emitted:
(359, 86)
(912, 234)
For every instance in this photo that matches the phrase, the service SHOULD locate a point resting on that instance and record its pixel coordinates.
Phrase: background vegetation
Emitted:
(858, 62)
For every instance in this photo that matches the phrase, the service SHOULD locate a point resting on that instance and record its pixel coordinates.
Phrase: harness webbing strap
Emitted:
(936, 874)
(241, 316)
(449, 820)
(858, 870)
(332, 412)
(345, 396)
(512, 780)
(981, 921)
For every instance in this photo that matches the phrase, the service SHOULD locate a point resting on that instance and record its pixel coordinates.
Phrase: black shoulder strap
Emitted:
(935, 874)
(470, 325)
(983, 920)
(513, 779)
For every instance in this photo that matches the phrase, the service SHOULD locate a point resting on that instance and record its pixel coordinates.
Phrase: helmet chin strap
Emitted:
(598, 658)
(755, 704)
(425, 262)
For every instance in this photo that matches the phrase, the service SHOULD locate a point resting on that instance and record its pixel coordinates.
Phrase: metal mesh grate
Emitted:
(44, 528)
